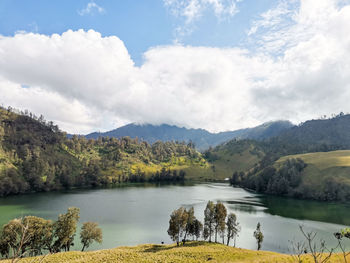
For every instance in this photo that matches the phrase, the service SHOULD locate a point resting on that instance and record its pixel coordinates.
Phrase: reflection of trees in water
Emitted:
(338, 213)
(250, 207)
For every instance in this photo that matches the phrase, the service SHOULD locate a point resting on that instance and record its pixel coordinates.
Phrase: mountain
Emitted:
(200, 137)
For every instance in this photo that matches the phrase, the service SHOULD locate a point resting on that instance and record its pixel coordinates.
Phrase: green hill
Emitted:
(36, 156)
(190, 253)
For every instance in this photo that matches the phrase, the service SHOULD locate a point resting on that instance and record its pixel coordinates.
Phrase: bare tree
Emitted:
(320, 253)
(298, 249)
(339, 236)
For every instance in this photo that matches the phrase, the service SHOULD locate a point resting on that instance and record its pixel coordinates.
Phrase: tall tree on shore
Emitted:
(190, 218)
(196, 229)
(258, 235)
(219, 219)
(40, 234)
(65, 228)
(177, 224)
(89, 233)
(209, 220)
(232, 228)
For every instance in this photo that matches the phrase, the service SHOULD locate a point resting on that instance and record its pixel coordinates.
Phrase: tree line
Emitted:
(33, 236)
(217, 224)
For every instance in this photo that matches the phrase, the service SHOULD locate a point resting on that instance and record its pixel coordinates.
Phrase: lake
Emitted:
(139, 214)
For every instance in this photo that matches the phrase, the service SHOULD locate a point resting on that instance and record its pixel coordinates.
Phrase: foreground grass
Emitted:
(192, 252)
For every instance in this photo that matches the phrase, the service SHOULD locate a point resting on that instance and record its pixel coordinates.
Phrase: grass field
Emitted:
(323, 160)
(234, 156)
(321, 165)
(191, 253)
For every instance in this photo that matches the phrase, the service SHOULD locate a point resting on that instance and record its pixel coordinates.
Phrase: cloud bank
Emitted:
(87, 82)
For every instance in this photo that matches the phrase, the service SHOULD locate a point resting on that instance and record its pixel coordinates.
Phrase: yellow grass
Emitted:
(323, 160)
(322, 165)
(191, 253)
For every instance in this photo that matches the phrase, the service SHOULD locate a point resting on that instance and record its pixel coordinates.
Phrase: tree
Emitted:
(40, 232)
(196, 229)
(65, 228)
(177, 224)
(190, 218)
(209, 220)
(89, 233)
(14, 237)
(258, 235)
(232, 228)
(219, 219)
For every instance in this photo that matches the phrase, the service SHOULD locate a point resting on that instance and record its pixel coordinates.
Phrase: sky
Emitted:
(95, 65)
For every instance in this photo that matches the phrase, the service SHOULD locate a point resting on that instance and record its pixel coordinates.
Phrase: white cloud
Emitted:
(88, 82)
(192, 10)
(90, 8)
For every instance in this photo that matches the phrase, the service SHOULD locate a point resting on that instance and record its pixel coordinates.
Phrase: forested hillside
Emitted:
(285, 167)
(36, 156)
(201, 138)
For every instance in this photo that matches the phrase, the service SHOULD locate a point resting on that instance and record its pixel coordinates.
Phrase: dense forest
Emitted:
(36, 156)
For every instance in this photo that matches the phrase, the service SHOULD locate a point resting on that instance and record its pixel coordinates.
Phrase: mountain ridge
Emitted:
(202, 138)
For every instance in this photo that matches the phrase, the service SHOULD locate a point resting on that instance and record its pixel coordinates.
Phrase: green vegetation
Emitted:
(32, 236)
(36, 156)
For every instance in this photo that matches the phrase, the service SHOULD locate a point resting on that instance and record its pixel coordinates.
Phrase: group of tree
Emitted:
(36, 156)
(183, 224)
(283, 180)
(32, 236)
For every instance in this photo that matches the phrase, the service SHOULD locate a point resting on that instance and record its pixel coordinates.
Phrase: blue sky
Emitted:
(220, 65)
(140, 24)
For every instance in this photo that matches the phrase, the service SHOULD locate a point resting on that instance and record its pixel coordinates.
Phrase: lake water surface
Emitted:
(139, 214)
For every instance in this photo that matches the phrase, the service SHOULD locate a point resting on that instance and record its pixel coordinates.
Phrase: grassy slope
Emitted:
(324, 164)
(192, 252)
(234, 156)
